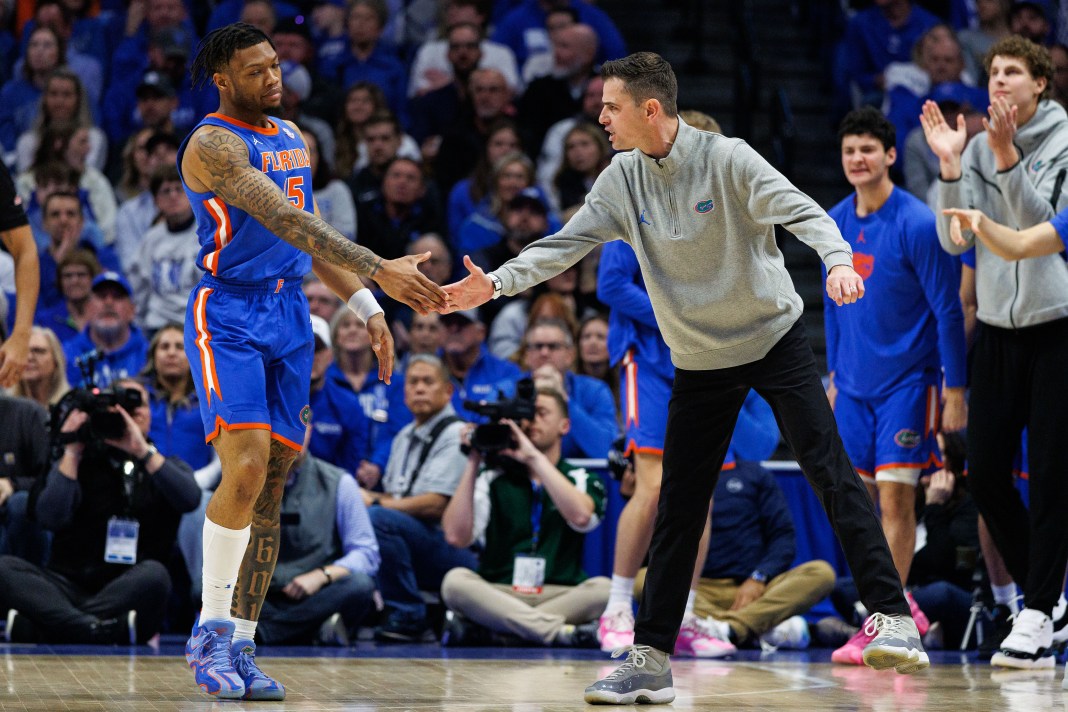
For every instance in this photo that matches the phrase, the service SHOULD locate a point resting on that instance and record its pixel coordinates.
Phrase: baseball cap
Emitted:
(156, 84)
(321, 330)
(529, 198)
(112, 277)
(467, 316)
(296, 78)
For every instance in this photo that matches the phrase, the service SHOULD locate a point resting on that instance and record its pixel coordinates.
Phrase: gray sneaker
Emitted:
(896, 645)
(644, 678)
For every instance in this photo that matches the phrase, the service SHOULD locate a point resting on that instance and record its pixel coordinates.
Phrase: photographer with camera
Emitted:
(424, 467)
(113, 505)
(531, 511)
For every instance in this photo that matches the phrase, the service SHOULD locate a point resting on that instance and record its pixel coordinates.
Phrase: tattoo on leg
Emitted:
(261, 556)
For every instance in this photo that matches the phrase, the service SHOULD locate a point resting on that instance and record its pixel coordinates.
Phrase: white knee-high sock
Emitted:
(223, 551)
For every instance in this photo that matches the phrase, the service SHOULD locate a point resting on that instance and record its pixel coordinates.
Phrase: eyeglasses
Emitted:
(463, 45)
(553, 346)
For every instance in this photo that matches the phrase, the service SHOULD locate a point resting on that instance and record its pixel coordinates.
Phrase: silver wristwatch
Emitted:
(497, 286)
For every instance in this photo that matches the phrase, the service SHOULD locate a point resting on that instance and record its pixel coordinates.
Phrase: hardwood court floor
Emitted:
(515, 680)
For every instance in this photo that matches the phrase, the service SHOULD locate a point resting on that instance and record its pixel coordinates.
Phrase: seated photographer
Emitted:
(424, 467)
(111, 333)
(548, 352)
(531, 511)
(324, 578)
(23, 459)
(113, 504)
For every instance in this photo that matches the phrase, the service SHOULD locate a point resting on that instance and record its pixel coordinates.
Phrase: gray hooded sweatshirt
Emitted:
(702, 224)
(1027, 292)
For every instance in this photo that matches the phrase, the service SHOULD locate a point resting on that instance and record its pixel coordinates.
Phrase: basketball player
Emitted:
(248, 334)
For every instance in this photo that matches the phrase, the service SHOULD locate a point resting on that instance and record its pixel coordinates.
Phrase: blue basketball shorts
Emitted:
(893, 432)
(645, 395)
(250, 349)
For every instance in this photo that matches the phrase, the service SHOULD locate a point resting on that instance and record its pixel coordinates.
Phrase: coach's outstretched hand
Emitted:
(402, 280)
(382, 345)
(471, 291)
(844, 285)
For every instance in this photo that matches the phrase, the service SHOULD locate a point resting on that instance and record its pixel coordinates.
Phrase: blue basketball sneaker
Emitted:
(258, 684)
(208, 654)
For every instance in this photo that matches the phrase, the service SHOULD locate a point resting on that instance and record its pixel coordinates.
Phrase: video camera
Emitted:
(103, 423)
(490, 438)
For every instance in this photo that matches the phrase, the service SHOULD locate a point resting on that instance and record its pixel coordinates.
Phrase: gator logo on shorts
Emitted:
(705, 206)
(907, 438)
(305, 415)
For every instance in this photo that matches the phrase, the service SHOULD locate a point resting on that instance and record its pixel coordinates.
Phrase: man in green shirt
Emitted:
(531, 513)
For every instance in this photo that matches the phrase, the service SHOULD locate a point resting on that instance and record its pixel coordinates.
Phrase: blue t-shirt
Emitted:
(1060, 224)
(910, 320)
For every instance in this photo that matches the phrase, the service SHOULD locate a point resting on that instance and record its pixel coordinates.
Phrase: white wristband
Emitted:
(363, 304)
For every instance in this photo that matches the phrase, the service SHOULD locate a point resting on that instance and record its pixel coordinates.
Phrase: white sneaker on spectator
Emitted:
(697, 639)
(334, 632)
(791, 634)
(1029, 645)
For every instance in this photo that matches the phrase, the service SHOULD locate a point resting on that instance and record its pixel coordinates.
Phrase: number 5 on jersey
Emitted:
(295, 190)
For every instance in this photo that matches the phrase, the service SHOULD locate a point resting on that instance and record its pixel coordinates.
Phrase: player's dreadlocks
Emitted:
(218, 48)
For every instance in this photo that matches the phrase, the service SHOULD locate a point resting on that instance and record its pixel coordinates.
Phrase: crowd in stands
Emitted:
(458, 128)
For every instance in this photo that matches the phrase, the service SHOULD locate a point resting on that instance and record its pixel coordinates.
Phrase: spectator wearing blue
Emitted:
(425, 465)
(476, 373)
(937, 73)
(90, 69)
(64, 223)
(84, 30)
(873, 39)
(382, 403)
(111, 332)
(748, 592)
(524, 31)
(489, 224)
(156, 19)
(370, 58)
(548, 352)
(324, 580)
(75, 273)
(340, 432)
(43, 179)
(1032, 20)
(21, 94)
(228, 12)
(176, 425)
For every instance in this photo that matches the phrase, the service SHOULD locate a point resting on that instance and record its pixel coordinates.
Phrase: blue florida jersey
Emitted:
(233, 244)
(909, 324)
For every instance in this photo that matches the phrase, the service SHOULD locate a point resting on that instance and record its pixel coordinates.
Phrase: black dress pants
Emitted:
(701, 416)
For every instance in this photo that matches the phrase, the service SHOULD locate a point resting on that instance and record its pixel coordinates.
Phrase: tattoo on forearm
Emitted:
(261, 556)
(229, 175)
(378, 264)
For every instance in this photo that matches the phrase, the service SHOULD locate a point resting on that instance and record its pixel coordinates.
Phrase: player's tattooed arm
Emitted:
(220, 162)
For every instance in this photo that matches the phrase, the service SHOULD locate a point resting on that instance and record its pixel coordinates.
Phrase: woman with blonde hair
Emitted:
(64, 100)
(45, 377)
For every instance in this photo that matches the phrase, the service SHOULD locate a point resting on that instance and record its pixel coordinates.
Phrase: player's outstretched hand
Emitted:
(402, 280)
(844, 285)
(471, 291)
(13, 355)
(963, 219)
(382, 345)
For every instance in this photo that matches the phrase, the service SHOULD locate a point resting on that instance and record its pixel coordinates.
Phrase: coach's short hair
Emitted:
(646, 75)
